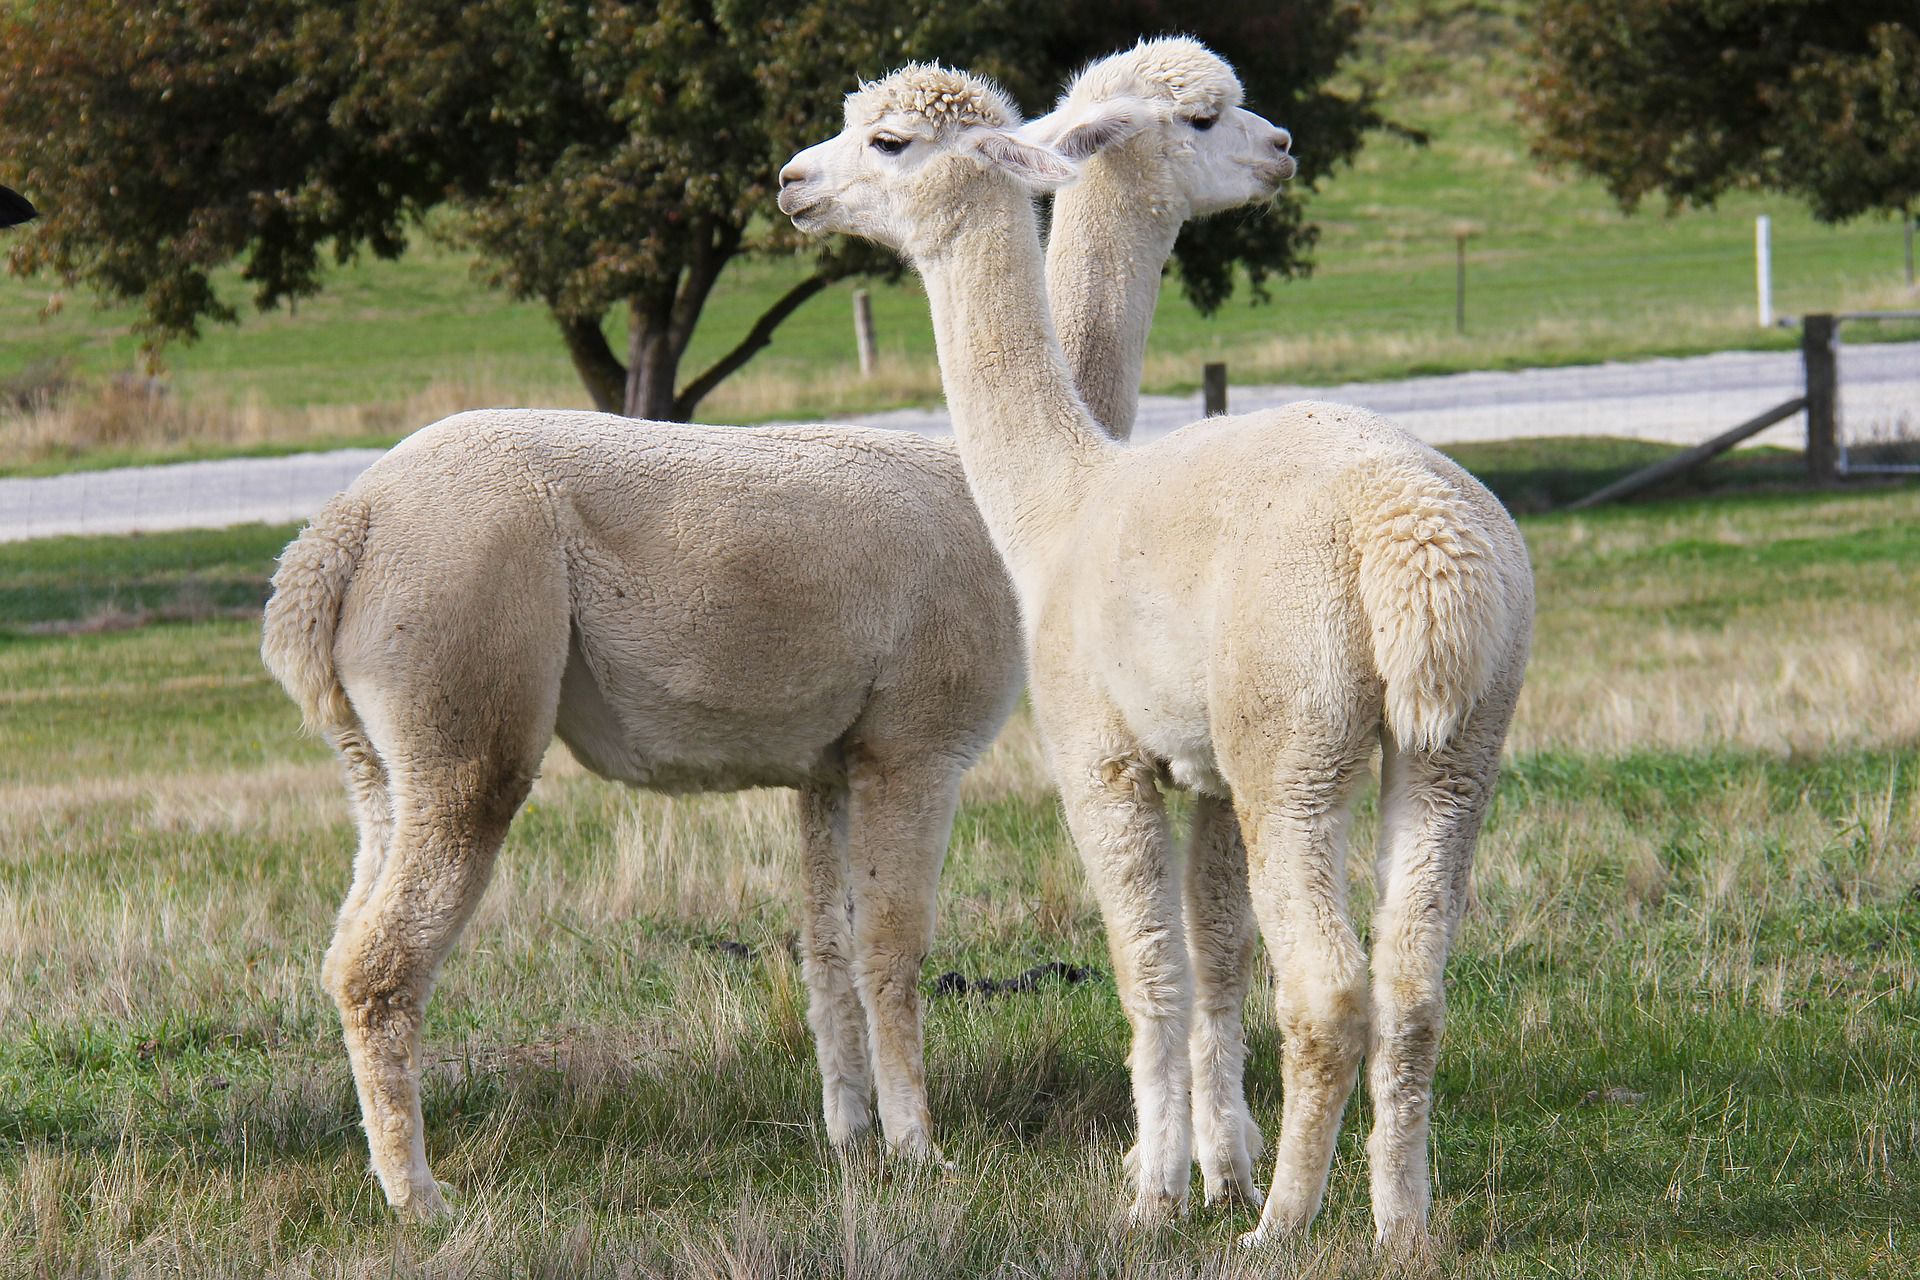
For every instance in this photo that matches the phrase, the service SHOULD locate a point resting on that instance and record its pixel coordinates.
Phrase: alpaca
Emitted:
(1172, 143)
(1165, 139)
(689, 608)
(1243, 608)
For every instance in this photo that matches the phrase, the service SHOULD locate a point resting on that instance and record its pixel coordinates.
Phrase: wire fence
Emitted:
(1878, 412)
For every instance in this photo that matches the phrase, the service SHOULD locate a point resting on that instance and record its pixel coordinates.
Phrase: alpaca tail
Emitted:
(1442, 603)
(304, 613)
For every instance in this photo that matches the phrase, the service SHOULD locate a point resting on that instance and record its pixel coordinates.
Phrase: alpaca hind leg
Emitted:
(1220, 937)
(826, 954)
(901, 814)
(1119, 826)
(1431, 809)
(1298, 879)
(386, 957)
(372, 817)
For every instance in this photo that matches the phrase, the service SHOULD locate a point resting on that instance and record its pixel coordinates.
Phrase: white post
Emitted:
(1763, 267)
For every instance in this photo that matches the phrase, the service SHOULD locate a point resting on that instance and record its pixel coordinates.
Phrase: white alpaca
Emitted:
(690, 608)
(1165, 139)
(1168, 141)
(1245, 607)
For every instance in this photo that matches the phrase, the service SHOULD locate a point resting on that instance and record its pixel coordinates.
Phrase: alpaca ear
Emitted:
(1040, 167)
(1079, 131)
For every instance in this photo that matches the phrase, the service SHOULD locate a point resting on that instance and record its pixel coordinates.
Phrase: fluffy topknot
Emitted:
(945, 97)
(1174, 69)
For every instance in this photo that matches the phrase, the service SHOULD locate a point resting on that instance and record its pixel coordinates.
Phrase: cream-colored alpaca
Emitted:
(690, 608)
(1246, 607)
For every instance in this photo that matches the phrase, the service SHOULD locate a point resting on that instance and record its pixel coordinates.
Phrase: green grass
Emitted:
(1682, 1023)
(1556, 275)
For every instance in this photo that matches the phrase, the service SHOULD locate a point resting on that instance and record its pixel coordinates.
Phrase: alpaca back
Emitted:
(1314, 552)
(737, 596)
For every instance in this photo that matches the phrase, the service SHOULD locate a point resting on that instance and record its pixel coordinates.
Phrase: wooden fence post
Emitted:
(1213, 387)
(1460, 282)
(1818, 349)
(863, 331)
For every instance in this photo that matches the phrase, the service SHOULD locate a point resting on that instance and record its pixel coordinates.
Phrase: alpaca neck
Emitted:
(1025, 437)
(1112, 234)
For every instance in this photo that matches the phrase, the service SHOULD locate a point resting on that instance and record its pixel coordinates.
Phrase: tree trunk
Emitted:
(601, 372)
(652, 363)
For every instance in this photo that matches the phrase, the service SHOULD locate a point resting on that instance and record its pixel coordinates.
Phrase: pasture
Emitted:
(1685, 1014)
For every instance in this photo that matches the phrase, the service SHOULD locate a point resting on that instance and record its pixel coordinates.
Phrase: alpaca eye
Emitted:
(889, 146)
(1204, 123)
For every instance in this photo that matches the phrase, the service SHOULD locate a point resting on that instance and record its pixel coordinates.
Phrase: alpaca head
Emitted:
(921, 150)
(1166, 114)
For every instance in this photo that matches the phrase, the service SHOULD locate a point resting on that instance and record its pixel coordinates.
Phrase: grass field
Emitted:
(1555, 275)
(1684, 1027)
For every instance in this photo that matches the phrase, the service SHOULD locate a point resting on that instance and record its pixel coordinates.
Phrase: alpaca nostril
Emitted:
(790, 175)
(1282, 141)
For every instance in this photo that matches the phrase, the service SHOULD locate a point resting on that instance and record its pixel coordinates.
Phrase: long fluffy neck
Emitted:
(1112, 235)
(1026, 439)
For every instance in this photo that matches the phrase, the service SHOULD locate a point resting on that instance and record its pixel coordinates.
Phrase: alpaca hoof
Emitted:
(1235, 1194)
(1156, 1208)
(426, 1202)
(918, 1148)
(843, 1136)
(1404, 1242)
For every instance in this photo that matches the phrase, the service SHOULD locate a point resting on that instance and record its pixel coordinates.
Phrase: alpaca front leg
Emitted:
(826, 954)
(1220, 937)
(1120, 828)
(901, 814)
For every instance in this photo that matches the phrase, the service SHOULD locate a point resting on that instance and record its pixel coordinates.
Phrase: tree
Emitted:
(1690, 98)
(600, 157)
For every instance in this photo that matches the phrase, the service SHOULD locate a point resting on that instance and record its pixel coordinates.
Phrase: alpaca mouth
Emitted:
(795, 205)
(1278, 171)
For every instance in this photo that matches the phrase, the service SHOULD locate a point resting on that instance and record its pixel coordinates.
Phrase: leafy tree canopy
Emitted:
(597, 155)
(1689, 98)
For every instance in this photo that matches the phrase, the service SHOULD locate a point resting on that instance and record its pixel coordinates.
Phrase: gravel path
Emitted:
(1680, 401)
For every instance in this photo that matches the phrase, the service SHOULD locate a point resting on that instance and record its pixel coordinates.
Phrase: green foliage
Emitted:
(603, 155)
(1690, 99)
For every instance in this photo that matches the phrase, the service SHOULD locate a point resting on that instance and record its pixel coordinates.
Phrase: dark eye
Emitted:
(887, 146)
(1204, 123)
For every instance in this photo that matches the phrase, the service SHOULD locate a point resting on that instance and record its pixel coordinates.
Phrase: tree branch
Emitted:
(757, 337)
(711, 253)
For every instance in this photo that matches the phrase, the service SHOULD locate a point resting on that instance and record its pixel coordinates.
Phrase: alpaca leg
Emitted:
(826, 953)
(372, 816)
(1119, 825)
(1220, 939)
(386, 957)
(901, 816)
(1431, 808)
(1299, 883)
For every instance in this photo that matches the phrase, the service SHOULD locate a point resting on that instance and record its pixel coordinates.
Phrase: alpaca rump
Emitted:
(1249, 606)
